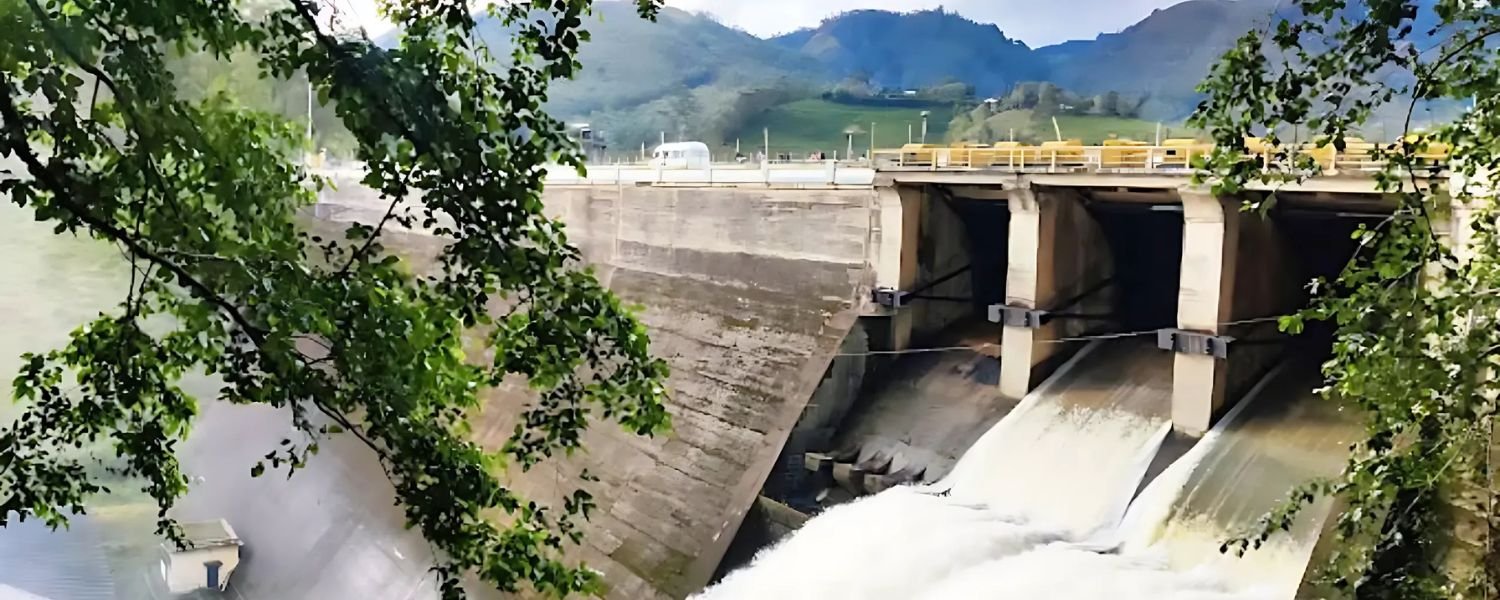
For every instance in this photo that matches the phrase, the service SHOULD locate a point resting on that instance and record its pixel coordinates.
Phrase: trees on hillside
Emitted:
(1107, 104)
(1049, 99)
(1416, 309)
(202, 195)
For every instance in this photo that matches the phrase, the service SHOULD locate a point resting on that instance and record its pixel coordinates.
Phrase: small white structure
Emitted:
(212, 554)
(681, 155)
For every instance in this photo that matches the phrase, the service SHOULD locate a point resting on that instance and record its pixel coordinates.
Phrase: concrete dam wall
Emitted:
(748, 293)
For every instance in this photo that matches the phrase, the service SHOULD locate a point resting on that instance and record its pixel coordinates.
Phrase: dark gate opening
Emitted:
(1145, 241)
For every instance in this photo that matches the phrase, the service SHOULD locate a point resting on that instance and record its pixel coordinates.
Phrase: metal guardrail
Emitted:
(1122, 158)
(1051, 157)
(808, 174)
(790, 174)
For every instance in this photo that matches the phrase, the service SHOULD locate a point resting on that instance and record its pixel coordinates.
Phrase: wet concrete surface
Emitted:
(926, 410)
(748, 294)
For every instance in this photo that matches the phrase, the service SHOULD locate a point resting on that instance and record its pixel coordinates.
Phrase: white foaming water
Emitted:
(1169, 522)
(892, 545)
(1033, 510)
(1069, 470)
(1148, 515)
(1073, 572)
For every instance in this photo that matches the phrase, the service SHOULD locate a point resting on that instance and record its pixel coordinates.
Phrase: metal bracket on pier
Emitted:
(1031, 318)
(894, 298)
(1193, 342)
(1016, 316)
(890, 297)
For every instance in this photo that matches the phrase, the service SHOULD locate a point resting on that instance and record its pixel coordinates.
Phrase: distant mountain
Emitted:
(630, 61)
(1164, 56)
(1169, 52)
(916, 50)
(688, 76)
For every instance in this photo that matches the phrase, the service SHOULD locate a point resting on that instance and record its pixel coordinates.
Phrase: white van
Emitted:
(681, 155)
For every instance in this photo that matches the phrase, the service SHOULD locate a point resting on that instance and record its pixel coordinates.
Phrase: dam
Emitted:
(1092, 356)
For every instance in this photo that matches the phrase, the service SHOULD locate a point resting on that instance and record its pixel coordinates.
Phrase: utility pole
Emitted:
(908, 133)
(872, 143)
(309, 110)
(767, 133)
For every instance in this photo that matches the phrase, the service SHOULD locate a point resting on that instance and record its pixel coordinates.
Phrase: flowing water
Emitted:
(1037, 508)
(1287, 436)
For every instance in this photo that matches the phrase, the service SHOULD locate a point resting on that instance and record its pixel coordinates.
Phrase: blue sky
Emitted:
(1036, 22)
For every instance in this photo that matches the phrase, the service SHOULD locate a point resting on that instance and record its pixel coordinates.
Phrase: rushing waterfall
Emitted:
(1038, 506)
(1285, 436)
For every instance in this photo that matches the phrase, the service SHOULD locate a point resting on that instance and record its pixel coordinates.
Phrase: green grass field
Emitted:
(811, 125)
(1089, 128)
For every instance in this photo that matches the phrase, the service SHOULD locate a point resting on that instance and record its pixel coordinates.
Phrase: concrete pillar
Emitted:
(1057, 253)
(1232, 270)
(1472, 531)
(898, 237)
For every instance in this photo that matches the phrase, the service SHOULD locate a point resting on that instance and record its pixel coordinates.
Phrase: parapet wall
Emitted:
(748, 293)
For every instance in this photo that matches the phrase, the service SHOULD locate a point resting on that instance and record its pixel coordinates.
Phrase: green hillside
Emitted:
(1091, 129)
(630, 61)
(812, 125)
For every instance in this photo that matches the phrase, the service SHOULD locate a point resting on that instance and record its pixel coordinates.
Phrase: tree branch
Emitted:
(63, 195)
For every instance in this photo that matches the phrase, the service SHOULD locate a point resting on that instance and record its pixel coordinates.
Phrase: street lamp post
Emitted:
(925, 113)
(849, 133)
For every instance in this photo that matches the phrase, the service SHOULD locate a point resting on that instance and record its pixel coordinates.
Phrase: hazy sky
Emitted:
(1036, 22)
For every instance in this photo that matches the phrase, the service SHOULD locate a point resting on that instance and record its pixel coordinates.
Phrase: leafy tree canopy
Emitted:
(1416, 309)
(203, 195)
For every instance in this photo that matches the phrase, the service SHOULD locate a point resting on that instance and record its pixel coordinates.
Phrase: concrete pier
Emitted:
(1233, 279)
(1058, 260)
